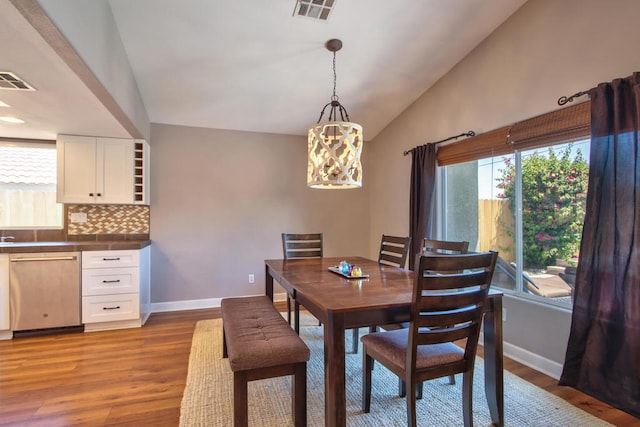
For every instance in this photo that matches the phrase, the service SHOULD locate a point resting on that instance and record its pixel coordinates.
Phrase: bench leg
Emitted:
(299, 395)
(240, 404)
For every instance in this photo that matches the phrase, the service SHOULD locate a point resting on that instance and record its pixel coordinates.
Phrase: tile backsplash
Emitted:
(107, 220)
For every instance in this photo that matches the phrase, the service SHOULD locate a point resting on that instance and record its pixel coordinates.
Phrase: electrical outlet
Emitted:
(252, 278)
(504, 314)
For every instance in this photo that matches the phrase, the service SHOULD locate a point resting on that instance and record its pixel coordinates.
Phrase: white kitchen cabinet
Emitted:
(115, 289)
(5, 319)
(101, 170)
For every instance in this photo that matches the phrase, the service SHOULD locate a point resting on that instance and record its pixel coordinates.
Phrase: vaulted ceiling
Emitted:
(248, 65)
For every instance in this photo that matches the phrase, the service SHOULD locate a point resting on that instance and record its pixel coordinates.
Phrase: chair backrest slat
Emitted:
(444, 246)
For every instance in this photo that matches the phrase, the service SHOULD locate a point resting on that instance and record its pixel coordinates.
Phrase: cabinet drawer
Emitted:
(104, 281)
(109, 308)
(109, 259)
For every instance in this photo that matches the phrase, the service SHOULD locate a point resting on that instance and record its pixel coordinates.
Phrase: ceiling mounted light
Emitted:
(335, 146)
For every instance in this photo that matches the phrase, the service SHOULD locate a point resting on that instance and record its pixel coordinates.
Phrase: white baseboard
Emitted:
(197, 304)
(532, 360)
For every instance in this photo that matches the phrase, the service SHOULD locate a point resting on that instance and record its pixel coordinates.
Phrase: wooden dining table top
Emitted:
(385, 287)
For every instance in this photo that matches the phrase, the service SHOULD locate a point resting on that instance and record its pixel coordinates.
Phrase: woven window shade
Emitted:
(488, 144)
(563, 125)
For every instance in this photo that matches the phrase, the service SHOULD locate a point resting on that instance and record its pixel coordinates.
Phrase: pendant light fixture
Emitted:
(335, 145)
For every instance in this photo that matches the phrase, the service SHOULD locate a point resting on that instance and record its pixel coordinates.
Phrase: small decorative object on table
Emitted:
(349, 271)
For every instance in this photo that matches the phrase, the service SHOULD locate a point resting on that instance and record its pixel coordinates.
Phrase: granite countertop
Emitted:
(72, 246)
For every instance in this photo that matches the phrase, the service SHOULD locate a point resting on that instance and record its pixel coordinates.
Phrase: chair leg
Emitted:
(402, 388)
(366, 381)
(224, 345)
(467, 398)
(356, 337)
(452, 380)
(296, 322)
(288, 309)
(411, 406)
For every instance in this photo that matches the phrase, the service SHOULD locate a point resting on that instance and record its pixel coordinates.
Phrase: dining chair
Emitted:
(393, 252)
(449, 295)
(431, 246)
(296, 246)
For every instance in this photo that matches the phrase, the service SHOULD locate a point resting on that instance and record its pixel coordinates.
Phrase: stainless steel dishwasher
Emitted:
(44, 290)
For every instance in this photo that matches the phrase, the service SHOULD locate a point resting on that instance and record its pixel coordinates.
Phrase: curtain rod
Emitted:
(563, 99)
(469, 133)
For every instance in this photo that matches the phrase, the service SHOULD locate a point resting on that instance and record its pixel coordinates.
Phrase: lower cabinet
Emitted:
(115, 289)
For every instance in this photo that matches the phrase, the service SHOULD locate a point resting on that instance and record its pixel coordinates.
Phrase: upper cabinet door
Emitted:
(76, 162)
(95, 170)
(114, 170)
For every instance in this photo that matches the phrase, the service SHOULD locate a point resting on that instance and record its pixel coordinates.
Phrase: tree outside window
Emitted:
(553, 203)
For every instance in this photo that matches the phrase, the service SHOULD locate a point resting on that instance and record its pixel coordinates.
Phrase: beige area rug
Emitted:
(208, 395)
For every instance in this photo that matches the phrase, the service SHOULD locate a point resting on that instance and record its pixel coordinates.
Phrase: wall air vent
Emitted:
(315, 9)
(10, 81)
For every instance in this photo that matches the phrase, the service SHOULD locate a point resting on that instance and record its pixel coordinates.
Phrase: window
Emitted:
(528, 205)
(28, 186)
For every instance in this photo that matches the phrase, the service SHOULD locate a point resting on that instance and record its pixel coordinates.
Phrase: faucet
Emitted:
(5, 238)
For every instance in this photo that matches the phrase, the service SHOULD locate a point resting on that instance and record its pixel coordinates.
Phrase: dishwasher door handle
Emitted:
(53, 258)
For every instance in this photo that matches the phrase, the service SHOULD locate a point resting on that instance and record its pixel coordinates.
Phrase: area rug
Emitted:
(208, 395)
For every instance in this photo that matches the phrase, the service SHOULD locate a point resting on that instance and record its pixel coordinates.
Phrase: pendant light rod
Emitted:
(334, 45)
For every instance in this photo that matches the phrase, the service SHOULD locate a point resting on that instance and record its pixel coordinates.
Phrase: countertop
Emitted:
(72, 246)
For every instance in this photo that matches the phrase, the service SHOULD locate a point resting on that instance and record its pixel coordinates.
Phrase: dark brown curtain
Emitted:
(603, 353)
(423, 177)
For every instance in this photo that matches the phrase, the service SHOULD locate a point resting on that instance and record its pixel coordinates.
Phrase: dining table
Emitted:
(382, 295)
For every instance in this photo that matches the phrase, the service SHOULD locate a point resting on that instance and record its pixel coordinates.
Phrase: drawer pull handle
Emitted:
(111, 281)
(117, 307)
(111, 259)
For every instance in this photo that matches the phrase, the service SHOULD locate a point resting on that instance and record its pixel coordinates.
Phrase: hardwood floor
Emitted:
(136, 377)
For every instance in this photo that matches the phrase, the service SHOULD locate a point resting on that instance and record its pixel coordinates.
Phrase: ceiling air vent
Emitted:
(10, 81)
(315, 9)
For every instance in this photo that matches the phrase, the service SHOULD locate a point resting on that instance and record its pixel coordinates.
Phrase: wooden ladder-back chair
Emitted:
(394, 251)
(449, 296)
(296, 246)
(431, 246)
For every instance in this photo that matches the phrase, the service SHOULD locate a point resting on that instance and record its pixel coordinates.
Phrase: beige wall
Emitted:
(547, 49)
(219, 201)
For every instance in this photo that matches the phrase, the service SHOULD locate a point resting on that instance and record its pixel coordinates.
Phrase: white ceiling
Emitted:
(251, 65)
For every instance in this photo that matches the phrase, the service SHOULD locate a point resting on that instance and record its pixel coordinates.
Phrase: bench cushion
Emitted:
(257, 335)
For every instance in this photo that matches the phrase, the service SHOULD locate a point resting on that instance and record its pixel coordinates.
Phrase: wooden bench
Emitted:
(260, 344)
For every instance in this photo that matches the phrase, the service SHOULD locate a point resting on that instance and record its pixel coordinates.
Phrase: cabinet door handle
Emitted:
(117, 307)
(111, 259)
(90, 194)
(111, 281)
(99, 194)
(52, 258)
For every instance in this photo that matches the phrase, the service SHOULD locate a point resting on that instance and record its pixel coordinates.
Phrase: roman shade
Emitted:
(563, 125)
